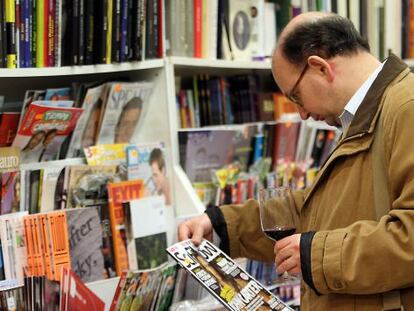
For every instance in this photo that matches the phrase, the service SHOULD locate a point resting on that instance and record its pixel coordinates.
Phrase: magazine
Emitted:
(43, 131)
(124, 109)
(86, 129)
(224, 278)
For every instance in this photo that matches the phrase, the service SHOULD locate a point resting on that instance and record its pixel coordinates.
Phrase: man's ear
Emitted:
(322, 66)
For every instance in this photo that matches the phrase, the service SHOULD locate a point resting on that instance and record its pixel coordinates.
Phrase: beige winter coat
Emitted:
(354, 257)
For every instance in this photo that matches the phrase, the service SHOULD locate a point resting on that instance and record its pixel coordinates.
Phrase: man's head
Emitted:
(157, 163)
(128, 120)
(315, 63)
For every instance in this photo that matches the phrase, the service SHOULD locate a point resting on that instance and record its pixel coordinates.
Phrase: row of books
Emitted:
(388, 25)
(288, 140)
(75, 118)
(221, 29)
(43, 33)
(204, 101)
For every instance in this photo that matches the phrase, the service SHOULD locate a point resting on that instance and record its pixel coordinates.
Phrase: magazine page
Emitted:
(125, 108)
(223, 278)
(43, 130)
(142, 234)
(86, 129)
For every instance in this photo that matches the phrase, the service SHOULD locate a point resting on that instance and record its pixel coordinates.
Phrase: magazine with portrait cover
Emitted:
(224, 278)
(124, 109)
(85, 133)
(43, 130)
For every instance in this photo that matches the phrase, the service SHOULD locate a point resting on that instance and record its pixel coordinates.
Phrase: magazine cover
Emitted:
(118, 193)
(8, 127)
(124, 108)
(13, 247)
(86, 129)
(146, 240)
(148, 162)
(139, 290)
(87, 184)
(223, 278)
(78, 296)
(43, 131)
(107, 154)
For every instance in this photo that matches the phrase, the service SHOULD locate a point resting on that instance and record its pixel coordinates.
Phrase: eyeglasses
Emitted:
(292, 96)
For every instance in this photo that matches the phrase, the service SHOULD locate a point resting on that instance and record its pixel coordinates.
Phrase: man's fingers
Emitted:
(184, 232)
(198, 235)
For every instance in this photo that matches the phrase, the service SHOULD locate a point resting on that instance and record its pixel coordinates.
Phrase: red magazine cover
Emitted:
(80, 297)
(43, 130)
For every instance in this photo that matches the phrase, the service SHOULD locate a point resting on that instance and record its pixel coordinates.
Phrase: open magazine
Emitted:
(223, 278)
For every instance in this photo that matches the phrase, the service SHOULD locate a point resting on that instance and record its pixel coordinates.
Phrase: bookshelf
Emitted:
(160, 123)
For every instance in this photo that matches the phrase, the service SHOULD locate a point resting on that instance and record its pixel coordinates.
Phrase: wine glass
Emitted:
(278, 217)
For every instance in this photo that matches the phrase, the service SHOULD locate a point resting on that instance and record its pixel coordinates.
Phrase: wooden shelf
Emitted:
(80, 70)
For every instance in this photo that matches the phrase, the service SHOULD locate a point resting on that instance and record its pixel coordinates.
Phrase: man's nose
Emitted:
(303, 113)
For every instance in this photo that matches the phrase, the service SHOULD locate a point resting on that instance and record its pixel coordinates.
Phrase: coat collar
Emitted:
(364, 120)
(366, 112)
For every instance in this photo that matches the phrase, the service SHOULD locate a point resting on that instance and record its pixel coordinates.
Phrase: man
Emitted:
(128, 120)
(159, 174)
(357, 219)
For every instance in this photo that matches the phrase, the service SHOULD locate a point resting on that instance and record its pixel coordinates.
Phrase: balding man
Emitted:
(355, 249)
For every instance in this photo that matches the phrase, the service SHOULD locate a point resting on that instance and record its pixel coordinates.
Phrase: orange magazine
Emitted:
(118, 193)
(45, 245)
(59, 242)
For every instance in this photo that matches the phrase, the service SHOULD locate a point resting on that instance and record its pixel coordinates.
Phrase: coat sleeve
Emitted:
(369, 256)
(246, 238)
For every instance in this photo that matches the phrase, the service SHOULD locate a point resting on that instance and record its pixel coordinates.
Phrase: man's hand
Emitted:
(287, 252)
(196, 229)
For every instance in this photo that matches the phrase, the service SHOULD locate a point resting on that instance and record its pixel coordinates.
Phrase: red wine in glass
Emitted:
(278, 233)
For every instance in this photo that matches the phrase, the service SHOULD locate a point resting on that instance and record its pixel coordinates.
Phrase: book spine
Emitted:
(160, 29)
(58, 33)
(124, 30)
(116, 30)
(81, 33)
(89, 32)
(10, 17)
(39, 29)
(130, 27)
(51, 33)
(75, 33)
(17, 31)
(197, 28)
(2, 36)
(109, 47)
(22, 34)
(45, 30)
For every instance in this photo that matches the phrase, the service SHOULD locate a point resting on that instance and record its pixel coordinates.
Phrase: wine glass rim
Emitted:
(275, 188)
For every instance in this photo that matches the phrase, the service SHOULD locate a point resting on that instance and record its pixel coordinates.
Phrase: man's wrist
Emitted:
(219, 227)
(305, 258)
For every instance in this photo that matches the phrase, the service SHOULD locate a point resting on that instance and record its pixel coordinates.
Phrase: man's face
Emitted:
(91, 128)
(310, 90)
(126, 125)
(157, 176)
(36, 139)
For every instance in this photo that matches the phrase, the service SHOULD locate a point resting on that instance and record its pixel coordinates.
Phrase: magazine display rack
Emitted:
(160, 123)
